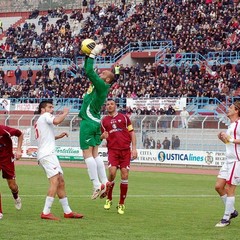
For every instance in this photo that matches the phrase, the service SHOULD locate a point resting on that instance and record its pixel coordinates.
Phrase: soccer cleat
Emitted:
(49, 216)
(106, 190)
(1, 216)
(18, 203)
(234, 214)
(120, 208)
(223, 223)
(97, 192)
(73, 215)
(108, 204)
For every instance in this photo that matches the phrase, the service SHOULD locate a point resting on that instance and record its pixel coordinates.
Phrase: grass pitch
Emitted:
(159, 206)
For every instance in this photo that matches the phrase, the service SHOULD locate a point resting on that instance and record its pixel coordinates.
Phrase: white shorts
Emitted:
(51, 165)
(230, 171)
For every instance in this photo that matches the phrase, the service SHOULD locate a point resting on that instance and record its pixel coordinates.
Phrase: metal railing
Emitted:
(169, 59)
(133, 46)
(35, 63)
(73, 103)
(177, 59)
(201, 133)
(196, 105)
(223, 57)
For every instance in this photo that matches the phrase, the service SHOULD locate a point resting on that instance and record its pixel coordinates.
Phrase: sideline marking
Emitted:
(132, 196)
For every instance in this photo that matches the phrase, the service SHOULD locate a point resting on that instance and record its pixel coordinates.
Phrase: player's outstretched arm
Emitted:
(89, 70)
(63, 134)
(58, 119)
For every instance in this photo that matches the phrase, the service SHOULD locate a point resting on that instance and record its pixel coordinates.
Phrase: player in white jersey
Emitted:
(46, 141)
(44, 131)
(229, 174)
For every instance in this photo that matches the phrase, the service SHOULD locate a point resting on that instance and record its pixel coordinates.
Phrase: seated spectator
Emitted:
(34, 14)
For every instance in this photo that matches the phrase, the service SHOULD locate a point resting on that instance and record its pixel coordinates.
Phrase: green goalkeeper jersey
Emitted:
(96, 94)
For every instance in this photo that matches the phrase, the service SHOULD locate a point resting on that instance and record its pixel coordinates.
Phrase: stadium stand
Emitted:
(205, 28)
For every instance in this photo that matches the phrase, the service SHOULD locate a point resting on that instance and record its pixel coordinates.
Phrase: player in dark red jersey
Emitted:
(7, 159)
(118, 131)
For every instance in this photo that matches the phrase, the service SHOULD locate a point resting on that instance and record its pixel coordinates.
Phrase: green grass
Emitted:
(158, 206)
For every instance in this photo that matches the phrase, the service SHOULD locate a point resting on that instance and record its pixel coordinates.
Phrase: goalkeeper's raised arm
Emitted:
(105, 77)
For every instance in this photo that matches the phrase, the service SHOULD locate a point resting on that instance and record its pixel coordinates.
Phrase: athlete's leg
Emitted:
(12, 184)
(100, 166)
(52, 190)
(220, 188)
(61, 192)
(230, 201)
(91, 166)
(111, 177)
(123, 185)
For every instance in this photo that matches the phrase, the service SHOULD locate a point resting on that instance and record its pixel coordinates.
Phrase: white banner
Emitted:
(206, 158)
(63, 153)
(26, 106)
(220, 158)
(176, 103)
(5, 103)
(198, 158)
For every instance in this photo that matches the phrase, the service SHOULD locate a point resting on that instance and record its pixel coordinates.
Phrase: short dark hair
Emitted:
(111, 99)
(237, 106)
(43, 104)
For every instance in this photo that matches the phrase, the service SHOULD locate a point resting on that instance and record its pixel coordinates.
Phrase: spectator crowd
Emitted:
(193, 26)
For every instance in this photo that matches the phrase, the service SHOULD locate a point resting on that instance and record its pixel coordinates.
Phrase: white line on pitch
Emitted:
(130, 195)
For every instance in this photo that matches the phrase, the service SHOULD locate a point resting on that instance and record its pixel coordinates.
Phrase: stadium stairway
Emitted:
(200, 109)
(10, 21)
(53, 21)
(38, 28)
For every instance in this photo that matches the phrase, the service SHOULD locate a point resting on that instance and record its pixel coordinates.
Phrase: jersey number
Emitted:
(36, 131)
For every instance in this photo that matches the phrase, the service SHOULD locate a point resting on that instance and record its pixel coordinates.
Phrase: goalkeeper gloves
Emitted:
(96, 51)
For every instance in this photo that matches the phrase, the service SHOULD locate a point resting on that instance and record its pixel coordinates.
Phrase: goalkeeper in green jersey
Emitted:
(90, 129)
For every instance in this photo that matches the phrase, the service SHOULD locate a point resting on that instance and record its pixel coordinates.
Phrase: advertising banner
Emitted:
(5, 104)
(176, 103)
(26, 106)
(63, 153)
(154, 156)
(69, 153)
(203, 158)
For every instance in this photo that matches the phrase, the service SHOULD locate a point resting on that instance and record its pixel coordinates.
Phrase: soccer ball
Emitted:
(87, 46)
